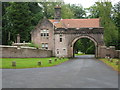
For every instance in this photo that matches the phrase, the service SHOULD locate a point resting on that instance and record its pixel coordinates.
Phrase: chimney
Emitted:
(57, 12)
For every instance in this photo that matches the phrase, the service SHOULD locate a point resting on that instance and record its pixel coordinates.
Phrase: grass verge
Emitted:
(79, 54)
(30, 62)
(112, 64)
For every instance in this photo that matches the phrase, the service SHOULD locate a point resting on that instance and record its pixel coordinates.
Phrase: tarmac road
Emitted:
(82, 72)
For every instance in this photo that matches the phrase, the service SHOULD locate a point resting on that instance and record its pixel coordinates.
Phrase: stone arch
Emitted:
(79, 37)
(89, 37)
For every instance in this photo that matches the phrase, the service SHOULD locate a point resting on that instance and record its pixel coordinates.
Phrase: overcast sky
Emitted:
(87, 3)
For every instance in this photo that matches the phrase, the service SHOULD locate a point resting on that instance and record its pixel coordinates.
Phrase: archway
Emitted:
(88, 37)
(84, 46)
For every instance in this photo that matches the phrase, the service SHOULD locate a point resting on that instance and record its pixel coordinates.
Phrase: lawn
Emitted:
(80, 54)
(112, 64)
(30, 62)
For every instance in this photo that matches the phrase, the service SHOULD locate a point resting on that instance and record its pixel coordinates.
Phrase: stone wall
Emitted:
(109, 51)
(24, 52)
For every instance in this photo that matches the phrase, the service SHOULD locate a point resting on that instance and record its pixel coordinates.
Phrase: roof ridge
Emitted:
(77, 19)
(81, 18)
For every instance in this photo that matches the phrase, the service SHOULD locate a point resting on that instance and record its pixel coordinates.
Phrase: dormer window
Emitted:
(44, 32)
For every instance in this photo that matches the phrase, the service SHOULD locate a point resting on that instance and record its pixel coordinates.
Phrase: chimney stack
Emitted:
(57, 13)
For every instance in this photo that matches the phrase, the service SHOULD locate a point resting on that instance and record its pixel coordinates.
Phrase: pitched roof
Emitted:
(76, 23)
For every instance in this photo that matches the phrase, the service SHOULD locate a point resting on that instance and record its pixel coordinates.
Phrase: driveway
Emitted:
(82, 72)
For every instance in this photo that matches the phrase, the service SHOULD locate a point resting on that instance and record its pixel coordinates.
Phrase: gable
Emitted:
(44, 23)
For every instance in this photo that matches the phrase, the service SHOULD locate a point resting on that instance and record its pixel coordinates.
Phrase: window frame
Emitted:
(44, 33)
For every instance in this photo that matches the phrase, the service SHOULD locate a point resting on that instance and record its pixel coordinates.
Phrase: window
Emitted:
(60, 39)
(41, 34)
(45, 45)
(57, 51)
(44, 32)
(47, 34)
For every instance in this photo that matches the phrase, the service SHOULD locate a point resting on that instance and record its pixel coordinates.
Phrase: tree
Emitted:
(94, 12)
(103, 10)
(78, 11)
(18, 21)
(110, 32)
(4, 30)
(84, 45)
(116, 19)
(67, 13)
(36, 12)
(48, 9)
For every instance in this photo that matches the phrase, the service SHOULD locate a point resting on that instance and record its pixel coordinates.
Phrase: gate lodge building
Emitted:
(59, 35)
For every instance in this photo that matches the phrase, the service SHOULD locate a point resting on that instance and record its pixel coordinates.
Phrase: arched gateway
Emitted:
(59, 35)
(72, 35)
(85, 36)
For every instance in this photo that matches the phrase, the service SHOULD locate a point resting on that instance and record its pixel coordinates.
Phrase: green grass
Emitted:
(30, 62)
(79, 54)
(112, 64)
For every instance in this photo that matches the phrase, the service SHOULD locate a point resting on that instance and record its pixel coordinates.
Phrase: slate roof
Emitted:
(76, 23)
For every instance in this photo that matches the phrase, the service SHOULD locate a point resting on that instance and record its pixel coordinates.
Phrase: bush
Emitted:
(33, 45)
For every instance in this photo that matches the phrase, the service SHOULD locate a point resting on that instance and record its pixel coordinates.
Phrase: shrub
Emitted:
(33, 45)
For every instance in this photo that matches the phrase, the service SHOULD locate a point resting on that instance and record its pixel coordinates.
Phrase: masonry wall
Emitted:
(38, 39)
(61, 47)
(109, 51)
(16, 52)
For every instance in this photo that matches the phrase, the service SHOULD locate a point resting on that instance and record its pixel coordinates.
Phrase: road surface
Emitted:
(82, 72)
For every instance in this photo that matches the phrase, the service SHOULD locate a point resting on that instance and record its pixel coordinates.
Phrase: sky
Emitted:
(87, 3)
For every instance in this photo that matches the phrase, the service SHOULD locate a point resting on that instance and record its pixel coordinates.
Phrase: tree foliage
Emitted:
(104, 11)
(23, 17)
(84, 45)
(110, 30)
(18, 21)
(116, 19)
(78, 11)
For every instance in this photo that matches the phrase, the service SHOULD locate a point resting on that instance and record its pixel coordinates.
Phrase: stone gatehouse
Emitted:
(60, 35)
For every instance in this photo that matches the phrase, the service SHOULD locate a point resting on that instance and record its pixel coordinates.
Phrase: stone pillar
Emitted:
(96, 51)
(112, 51)
(39, 63)
(117, 53)
(57, 12)
(70, 51)
(18, 38)
(13, 63)
(102, 51)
